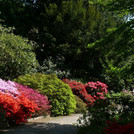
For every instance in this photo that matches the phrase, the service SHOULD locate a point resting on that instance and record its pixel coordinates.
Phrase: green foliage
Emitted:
(80, 105)
(15, 13)
(116, 55)
(94, 120)
(115, 51)
(119, 5)
(117, 77)
(16, 55)
(66, 29)
(60, 95)
(51, 66)
(62, 28)
(122, 106)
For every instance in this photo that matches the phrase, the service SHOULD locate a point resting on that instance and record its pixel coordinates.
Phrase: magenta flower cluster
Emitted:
(33, 95)
(96, 89)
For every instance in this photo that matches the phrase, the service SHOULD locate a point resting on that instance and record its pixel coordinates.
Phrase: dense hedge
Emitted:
(16, 55)
(60, 95)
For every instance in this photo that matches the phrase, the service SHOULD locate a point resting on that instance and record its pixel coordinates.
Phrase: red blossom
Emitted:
(89, 92)
(18, 109)
(115, 128)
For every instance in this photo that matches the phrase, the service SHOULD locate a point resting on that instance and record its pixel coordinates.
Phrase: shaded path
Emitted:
(50, 125)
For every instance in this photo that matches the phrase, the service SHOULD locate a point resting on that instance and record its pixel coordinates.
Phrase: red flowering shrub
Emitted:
(96, 89)
(116, 128)
(78, 89)
(41, 100)
(17, 108)
(17, 102)
(89, 92)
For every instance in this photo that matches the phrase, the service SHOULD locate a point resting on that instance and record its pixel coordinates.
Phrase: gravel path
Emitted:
(50, 125)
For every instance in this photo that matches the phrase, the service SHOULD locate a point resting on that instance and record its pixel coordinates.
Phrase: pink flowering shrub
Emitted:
(16, 106)
(89, 92)
(41, 100)
(17, 102)
(78, 89)
(8, 87)
(96, 89)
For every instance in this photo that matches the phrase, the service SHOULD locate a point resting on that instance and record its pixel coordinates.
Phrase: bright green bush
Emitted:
(80, 105)
(16, 55)
(60, 95)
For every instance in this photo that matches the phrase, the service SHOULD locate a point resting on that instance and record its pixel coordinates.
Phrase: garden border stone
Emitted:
(37, 118)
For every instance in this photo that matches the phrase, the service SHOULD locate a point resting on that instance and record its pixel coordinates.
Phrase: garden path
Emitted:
(49, 125)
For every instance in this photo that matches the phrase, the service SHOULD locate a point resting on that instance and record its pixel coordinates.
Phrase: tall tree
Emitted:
(67, 28)
(62, 28)
(18, 14)
(117, 49)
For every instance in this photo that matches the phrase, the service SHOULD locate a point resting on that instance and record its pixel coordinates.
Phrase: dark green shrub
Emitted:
(3, 121)
(54, 66)
(60, 95)
(117, 106)
(16, 55)
(80, 105)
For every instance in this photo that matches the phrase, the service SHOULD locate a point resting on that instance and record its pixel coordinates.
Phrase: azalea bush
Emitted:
(34, 95)
(96, 89)
(60, 95)
(8, 87)
(17, 103)
(90, 92)
(78, 89)
(17, 109)
(16, 106)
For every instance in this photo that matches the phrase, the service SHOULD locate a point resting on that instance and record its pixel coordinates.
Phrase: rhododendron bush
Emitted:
(96, 89)
(78, 89)
(41, 100)
(18, 102)
(17, 109)
(89, 92)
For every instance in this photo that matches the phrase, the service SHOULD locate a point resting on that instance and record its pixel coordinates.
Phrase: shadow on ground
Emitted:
(42, 128)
